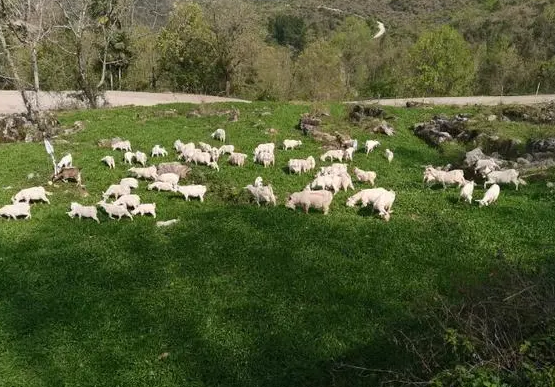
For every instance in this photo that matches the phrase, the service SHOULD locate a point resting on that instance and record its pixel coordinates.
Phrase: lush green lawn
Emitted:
(238, 295)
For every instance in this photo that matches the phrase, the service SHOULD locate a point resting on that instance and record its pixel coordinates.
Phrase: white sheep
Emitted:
(129, 200)
(490, 196)
(157, 150)
(31, 194)
(116, 190)
(109, 160)
(219, 134)
(301, 165)
(503, 177)
(122, 145)
(333, 154)
(226, 149)
(383, 204)
(237, 159)
(145, 173)
(144, 209)
(262, 194)
(114, 210)
(365, 176)
(15, 210)
(131, 182)
(307, 199)
(161, 186)
(172, 178)
(83, 211)
(204, 146)
(466, 191)
(348, 153)
(65, 161)
(365, 196)
(141, 158)
(193, 191)
(214, 165)
(128, 157)
(388, 155)
(370, 145)
(291, 144)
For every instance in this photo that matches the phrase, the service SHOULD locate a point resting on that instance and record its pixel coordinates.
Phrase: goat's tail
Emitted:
(522, 181)
(48, 193)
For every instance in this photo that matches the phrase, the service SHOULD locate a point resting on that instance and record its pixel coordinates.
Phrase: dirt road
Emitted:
(10, 101)
(462, 101)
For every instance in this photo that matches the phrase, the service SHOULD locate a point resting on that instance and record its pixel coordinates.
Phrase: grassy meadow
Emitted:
(236, 295)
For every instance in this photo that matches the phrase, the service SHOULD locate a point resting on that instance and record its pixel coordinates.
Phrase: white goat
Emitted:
(214, 165)
(226, 149)
(191, 191)
(169, 177)
(116, 190)
(204, 146)
(177, 144)
(130, 200)
(370, 145)
(237, 159)
(388, 155)
(83, 211)
(348, 153)
(128, 157)
(219, 134)
(141, 158)
(490, 196)
(65, 161)
(467, 190)
(31, 194)
(114, 210)
(160, 186)
(122, 145)
(131, 182)
(15, 210)
(262, 194)
(266, 158)
(157, 150)
(333, 155)
(365, 196)
(200, 158)
(144, 209)
(291, 144)
(109, 160)
(365, 176)
(383, 204)
(145, 173)
(432, 175)
(307, 199)
(214, 154)
(506, 176)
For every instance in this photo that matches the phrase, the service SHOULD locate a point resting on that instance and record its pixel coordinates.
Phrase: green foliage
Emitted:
(288, 30)
(441, 64)
(273, 74)
(500, 68)
(142, 72)
(319, 73)
(187, 57)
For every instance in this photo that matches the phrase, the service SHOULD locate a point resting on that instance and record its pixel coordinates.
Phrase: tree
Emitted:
(354, 41)
(440, 64)
(288, 30)
(273, 78)
(186, 47)
(319, 73)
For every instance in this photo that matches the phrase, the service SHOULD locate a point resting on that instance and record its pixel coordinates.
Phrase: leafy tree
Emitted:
(319, 73)
(273, 74)
(143, 71)
(353, 39)
(441, 63)
(288, 30)
(187, 56)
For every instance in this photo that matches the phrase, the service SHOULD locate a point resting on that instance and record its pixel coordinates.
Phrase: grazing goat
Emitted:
(129, 200)
(140, 157)
(116, 190)
(83, 211)
(160, 186)
(262, 193)
(370, 145)
(110, 162)
(219, 134)
(490, 196)
(365, 196)
(226, 149)
(388, 155)
(383, 204)
(157, 150)
(145, 173)
(131, 182)
(291, 144)
(506, 176)
(191, 191)
(31, 194)
(144, 209)
(15, 210)
(307, 199)
(333, 154)
(114, 210)
(466, 191)
(122, 145)
(365, 176)
(237, 159)
(128, 157)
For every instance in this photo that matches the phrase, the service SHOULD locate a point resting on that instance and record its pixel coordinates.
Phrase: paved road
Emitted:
(10, 101)
(462, 101)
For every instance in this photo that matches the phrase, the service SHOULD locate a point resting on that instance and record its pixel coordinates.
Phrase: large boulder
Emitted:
(17, 127)
(358, 113)
(441, 129)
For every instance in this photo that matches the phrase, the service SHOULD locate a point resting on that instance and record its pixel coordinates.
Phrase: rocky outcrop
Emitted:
(441, 129)
(17, 127)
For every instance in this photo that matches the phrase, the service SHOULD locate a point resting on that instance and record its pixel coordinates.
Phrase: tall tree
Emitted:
(441, 64)
(288, 30)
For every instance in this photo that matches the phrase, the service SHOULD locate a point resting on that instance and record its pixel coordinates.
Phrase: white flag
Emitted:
(49, 147)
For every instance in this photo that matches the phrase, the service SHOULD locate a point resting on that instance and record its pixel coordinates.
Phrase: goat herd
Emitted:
(317, 194)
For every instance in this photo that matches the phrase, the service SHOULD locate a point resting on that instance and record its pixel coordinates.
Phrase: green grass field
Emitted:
(237, 295)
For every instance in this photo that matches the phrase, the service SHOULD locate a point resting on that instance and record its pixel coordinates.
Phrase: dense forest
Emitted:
(274, 50)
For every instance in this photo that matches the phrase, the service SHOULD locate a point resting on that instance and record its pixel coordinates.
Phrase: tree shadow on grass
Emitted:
(234, 298)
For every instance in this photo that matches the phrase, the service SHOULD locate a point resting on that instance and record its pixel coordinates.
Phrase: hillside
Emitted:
(240, 295)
